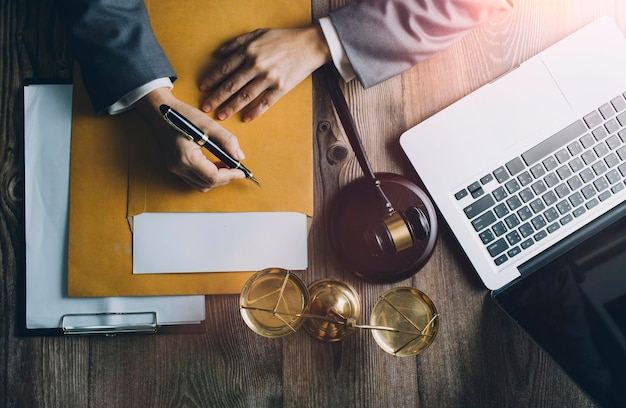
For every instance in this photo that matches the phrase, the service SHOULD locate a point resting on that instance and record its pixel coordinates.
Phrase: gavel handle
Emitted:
(347, 121)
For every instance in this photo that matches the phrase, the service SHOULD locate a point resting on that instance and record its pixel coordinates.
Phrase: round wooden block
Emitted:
(356, 220)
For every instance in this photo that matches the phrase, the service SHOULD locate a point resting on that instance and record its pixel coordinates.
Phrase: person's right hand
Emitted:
(183, 157)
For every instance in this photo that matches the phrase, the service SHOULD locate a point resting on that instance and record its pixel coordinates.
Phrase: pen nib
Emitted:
(254, 180)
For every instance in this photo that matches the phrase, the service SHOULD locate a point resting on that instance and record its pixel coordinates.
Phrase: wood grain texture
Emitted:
(480, 358)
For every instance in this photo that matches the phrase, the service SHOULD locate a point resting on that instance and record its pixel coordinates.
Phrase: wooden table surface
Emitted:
(479, 358)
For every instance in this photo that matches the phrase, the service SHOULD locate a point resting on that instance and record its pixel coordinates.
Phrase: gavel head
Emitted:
(375, 242)
(397, 231)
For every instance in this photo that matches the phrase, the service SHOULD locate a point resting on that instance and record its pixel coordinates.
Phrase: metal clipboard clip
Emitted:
(109, 324)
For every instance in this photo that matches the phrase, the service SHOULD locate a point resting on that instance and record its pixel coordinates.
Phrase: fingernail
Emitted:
(221, 115)
(206, 107)
(240, 154)
(247, 119)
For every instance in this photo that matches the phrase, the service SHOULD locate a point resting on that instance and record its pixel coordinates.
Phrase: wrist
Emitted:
(320, 48)
(149, 105)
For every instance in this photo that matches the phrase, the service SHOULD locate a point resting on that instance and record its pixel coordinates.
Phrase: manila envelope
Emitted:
(117, 170)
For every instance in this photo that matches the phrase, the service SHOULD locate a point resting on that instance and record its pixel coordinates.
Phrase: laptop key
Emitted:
(527, 244)
(588, 191)
(526, 230)
(613, 142)
(549, 198)
(514, 251)
(461, 194)
(606, 110)
(501, 210)
(599, 133)
(551, 214)
(479, 206)
(514, 202)
(618, 103)
(617, 188)
(540, 235)
(515, 166)
(524, 213)
(513, 237)
(612, 126)
(486, 236)
(512, 221)
(497, 247)
(550, 163)
(512, 186)
(566, 220)
(613, 176)
(559, 139)
(486, 179)
(499, 229)
(484, 221)
(611, 160)
(553, 227)
(499, 193)
(587, 141)
(501, 259)
(592, 203)
(604, 195)
(592, 119)
(501, 174)
(574, 148)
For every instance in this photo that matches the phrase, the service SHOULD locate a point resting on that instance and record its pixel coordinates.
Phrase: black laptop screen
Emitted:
(574, 306)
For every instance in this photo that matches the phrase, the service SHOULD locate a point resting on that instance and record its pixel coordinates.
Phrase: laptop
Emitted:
(529, 172)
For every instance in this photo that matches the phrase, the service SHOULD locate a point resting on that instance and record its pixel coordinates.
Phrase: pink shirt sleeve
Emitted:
(382, 38)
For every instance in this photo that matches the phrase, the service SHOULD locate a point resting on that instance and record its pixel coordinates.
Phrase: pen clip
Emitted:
(175, 126)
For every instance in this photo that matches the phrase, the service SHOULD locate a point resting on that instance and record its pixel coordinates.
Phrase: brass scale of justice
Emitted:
(377, 243)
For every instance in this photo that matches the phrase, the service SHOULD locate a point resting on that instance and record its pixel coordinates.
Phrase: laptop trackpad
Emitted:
(523, 103)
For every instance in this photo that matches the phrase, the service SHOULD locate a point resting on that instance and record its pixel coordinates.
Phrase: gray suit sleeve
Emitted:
(383, 38)
(113, 42)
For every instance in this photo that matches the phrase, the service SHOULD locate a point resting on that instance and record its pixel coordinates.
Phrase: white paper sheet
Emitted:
(47, 110)
(222, 242)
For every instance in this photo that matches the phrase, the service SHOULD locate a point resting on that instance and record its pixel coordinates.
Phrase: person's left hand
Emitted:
(263, 64)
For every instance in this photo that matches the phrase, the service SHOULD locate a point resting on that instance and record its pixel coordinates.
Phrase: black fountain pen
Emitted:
(193, 133)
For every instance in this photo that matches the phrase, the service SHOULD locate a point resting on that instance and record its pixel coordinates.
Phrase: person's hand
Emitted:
(260, 67)
(184, 157)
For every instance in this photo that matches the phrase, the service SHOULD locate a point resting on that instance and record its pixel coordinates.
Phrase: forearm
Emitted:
(113, 42)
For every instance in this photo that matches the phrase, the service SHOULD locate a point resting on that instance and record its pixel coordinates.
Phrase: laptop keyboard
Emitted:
(551, 184)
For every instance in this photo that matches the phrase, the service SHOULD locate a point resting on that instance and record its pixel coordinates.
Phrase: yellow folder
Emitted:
(117, 168)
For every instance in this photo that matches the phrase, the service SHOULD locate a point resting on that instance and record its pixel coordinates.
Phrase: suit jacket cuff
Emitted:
(338, 54)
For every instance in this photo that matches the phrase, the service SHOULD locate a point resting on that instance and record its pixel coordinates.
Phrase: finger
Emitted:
(220, 177)
(265, 102)
(223, 71)
(204, 175)
(195, 182)
(227, 89)
(233, 45)
(242, 98)
(226, 140)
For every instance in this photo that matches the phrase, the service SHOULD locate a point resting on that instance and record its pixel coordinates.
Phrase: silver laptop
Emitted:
(529, 172)
(531, 157)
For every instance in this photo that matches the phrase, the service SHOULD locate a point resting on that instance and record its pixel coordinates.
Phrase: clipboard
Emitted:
(43, 305)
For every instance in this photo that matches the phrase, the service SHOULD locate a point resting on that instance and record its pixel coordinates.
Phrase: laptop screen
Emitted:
(572, 302)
